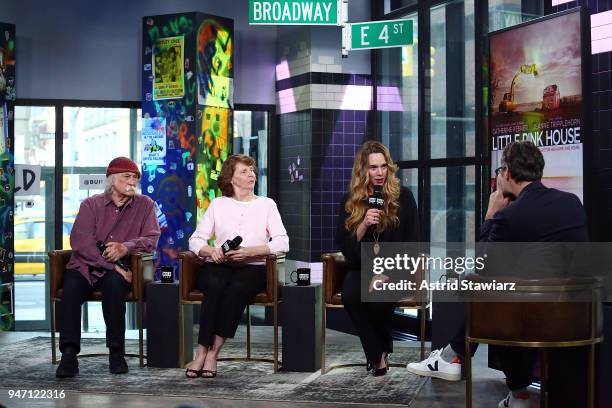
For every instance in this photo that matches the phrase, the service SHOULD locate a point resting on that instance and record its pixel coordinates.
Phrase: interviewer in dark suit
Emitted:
(522, 209)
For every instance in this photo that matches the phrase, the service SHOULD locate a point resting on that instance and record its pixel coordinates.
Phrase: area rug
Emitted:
(27, 365)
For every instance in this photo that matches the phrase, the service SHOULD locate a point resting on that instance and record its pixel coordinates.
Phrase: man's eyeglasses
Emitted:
(499, 170)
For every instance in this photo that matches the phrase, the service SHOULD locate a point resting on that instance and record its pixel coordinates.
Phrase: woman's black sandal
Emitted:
(208, 374)
(196, 373)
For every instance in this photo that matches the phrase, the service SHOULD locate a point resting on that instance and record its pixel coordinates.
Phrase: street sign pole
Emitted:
(346, 30)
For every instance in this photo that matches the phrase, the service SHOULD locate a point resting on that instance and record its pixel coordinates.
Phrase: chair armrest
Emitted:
(272, 282)
(334, 269)
(58, 260)
(141, 265)
(189, 264)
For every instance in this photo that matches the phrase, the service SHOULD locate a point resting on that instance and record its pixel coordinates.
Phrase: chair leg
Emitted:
(140, 333)
(53, 351)
(591, 379)
(323, 324)
(422, 311)
(181, 339)
(275, 336)
(544, 378)
(468, 375)
(248, 339)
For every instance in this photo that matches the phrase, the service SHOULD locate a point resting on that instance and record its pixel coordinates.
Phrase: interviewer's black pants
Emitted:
(75, 291)
(373, 320)
(227, 289)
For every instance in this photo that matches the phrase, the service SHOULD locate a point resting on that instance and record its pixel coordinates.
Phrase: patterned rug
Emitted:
(27, 365)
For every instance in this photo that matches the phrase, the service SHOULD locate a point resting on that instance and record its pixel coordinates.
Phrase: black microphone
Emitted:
(231, 244)
(376, 200)
(102, 247)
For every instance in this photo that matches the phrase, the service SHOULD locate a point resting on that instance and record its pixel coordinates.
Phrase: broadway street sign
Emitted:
(295, 12)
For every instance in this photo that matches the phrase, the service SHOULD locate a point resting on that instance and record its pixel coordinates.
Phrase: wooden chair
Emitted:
(141, 266)
(189, 294)
(334, 271)
(543, 313)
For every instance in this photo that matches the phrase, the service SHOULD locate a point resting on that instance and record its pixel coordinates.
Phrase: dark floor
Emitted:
(489, 388)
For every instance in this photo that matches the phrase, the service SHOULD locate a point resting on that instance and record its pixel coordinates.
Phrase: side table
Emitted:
(301, 321)
(162, 300)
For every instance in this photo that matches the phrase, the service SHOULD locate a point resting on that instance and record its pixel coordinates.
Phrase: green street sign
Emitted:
(294, 12)
(380, 34)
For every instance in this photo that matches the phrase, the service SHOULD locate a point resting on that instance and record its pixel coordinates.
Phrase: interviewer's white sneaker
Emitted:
(435, 366)
(522, 401)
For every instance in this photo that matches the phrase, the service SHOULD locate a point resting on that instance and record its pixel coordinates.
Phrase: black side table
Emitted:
(162, 325)
(301, 321)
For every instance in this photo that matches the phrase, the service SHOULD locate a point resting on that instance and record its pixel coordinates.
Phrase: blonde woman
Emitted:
(397, 221)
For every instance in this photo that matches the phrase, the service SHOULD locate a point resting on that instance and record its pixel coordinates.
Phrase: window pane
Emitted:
(410, 178)
(397, 98)
(34, 145)
(452, 204)
(452, 80)
(392, 5)
(94, 136)
(251, 133)
(35, 135)
(507, 13)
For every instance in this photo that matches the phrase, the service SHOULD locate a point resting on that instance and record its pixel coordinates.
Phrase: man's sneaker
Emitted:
(521, 401)
(435, 366)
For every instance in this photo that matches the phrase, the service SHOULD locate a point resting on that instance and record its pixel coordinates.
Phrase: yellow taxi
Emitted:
(30, 250)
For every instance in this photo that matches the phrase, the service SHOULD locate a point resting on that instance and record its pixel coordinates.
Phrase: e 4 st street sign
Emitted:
(295, 12)
(380, 34)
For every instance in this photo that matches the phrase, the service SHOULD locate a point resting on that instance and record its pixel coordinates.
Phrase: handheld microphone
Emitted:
(376, 200)
(231, 244)
(102, 247)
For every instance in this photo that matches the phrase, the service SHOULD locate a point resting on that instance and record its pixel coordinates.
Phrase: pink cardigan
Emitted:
(258, 222)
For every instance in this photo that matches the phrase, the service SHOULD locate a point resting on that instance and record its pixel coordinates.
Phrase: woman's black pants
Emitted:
(227, 289)
(373, 320)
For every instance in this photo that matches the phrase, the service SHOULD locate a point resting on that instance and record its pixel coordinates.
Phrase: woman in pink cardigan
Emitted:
(231, 279)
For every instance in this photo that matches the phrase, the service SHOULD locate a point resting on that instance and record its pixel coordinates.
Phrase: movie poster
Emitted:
(535, 94)
(168, 69)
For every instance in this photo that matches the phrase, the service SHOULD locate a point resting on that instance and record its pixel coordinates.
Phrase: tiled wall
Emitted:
(324, 90)
(336, 137)
(318, 143)
(317, 150)
(294, 195)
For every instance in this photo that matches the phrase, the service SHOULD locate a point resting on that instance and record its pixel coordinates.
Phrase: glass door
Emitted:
(34, 237)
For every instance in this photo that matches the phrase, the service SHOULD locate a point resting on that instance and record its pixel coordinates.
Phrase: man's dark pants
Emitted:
(76, 290)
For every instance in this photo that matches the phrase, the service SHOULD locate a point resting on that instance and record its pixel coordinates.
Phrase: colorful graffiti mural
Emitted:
(215, 65)
(7, 179)
(214, 147)
(183, 182)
